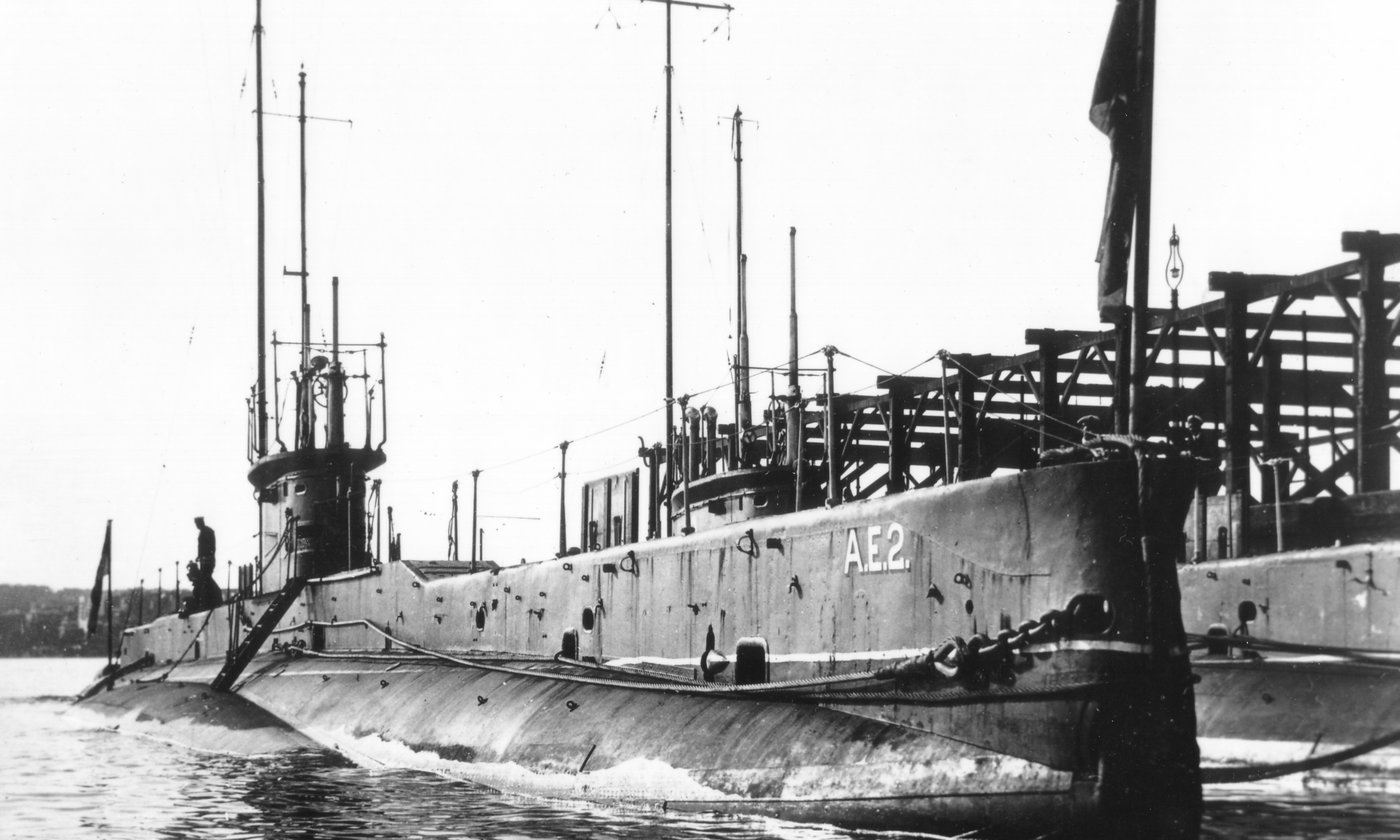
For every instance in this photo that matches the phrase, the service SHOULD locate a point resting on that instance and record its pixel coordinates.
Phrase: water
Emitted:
(64, 773)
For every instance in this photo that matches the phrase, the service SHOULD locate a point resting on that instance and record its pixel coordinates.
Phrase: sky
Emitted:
(495, 208)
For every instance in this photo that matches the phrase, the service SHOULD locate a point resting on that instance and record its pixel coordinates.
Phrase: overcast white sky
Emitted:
(496, 211)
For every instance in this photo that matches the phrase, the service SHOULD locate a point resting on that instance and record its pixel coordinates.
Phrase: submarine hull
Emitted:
(996, 656)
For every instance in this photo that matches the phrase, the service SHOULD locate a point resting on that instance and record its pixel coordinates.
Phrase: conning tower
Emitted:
(315, 517)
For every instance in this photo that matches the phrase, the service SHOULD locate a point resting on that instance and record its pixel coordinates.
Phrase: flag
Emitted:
(1114, 111)
(104, 568)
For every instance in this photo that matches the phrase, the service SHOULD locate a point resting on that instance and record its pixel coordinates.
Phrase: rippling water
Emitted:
(65, 773)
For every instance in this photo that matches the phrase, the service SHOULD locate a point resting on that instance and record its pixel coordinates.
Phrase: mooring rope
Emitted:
(1378, 658)
(1236, 775)
(971, 658)
(663, 687)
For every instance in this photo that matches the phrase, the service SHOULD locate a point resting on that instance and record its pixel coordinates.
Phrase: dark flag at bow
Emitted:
(1115, 112)
(104, 568)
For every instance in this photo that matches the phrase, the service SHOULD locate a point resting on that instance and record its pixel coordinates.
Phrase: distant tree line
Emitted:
(39, 621)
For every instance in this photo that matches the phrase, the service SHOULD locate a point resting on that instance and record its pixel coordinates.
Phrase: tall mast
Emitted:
(794, 390)
(1147, 32)
(306, 424)
(670, 367)
(794, 412)
(261, 396)
(670, 382)
(305, 308)
(743, 401)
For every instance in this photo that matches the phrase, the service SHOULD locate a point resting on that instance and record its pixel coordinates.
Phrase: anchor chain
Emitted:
(957, 657)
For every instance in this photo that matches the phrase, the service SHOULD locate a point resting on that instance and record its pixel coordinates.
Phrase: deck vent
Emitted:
(569, 650)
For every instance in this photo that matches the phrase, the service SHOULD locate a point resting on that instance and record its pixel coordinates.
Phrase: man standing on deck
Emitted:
(204, 551)
(1203, 448)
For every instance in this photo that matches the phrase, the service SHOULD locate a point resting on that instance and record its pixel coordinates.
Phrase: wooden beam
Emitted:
(1237, 412)
(1373, 330)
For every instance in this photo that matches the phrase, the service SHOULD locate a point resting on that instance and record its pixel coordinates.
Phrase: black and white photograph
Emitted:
(691, 419)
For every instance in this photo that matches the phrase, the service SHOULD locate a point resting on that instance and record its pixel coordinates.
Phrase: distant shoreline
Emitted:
(49, 655)
(40, 622)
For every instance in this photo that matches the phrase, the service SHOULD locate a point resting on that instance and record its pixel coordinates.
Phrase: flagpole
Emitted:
(109, 600)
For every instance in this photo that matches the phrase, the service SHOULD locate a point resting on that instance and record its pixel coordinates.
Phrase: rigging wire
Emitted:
(871, 388)
(727, 383)
(1017, 401)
